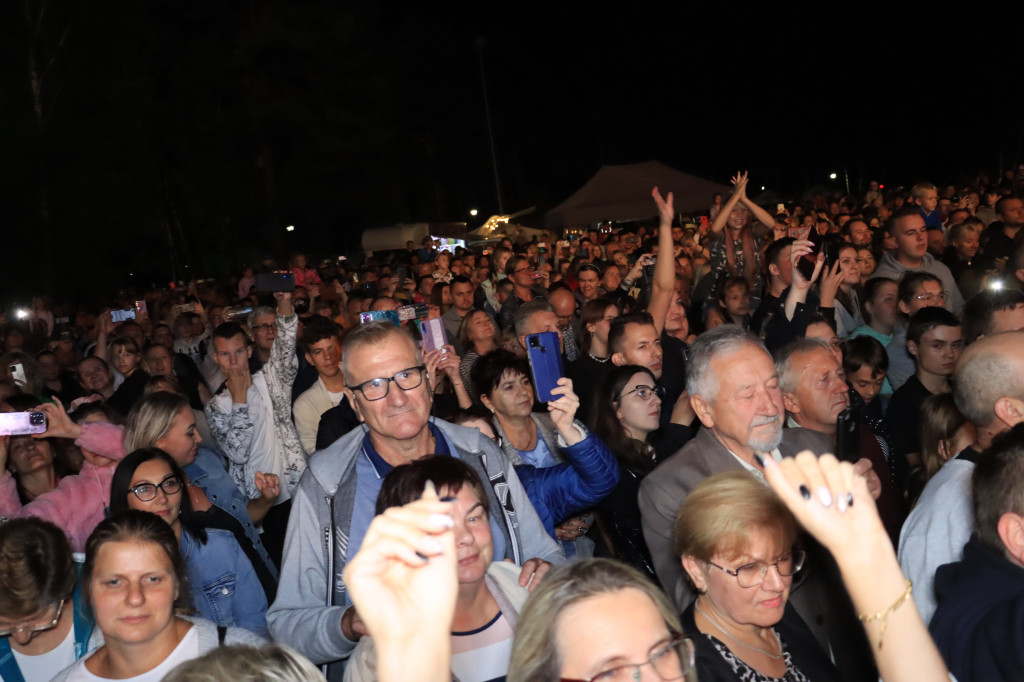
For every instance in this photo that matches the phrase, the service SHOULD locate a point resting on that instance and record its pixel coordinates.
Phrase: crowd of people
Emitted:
(358, 472)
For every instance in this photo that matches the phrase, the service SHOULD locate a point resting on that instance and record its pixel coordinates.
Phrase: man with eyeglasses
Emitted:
(734, 389)
(522, 275)
(911, 255)
(386, 382)
(251, 415)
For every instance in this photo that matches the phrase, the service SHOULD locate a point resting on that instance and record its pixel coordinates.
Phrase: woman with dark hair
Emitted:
(221, 578)
(732, 305)
(34, 464)
(166, 421)
(564, 468)
(440, 299)
(135, 585)
(847, 303)
(489, 594)
(588, 371)
(76, 505)
(879, 310)
(733, 249)
(627, 411)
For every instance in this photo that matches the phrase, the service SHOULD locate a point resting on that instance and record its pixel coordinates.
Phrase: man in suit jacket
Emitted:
(735, 392)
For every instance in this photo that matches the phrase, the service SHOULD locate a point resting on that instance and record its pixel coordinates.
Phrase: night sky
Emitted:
(176, 134)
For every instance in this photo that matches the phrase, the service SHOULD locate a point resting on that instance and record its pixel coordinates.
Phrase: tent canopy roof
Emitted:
(624, 193)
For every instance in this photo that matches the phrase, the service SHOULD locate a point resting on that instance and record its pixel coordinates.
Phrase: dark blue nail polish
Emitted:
(805, 492)
(759, 460)
(849, 499)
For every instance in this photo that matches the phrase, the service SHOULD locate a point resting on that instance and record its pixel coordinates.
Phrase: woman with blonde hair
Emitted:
(597, 620)
(736, 541)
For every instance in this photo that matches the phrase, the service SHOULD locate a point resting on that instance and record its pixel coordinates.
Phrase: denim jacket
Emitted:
(208, 472)
(224, 585)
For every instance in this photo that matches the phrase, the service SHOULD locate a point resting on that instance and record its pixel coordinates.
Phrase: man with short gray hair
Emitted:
(387, 385)
(535, 317)
(734, 389)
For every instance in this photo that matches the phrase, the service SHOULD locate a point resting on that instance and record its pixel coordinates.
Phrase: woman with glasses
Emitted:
(564, 468)
(627, 411)
(735, 538)
(221, 578)
(44, 625)
(165, 420)
(598, 620)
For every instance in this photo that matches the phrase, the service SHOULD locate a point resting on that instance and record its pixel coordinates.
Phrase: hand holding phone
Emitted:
(22, 423)
(545, 355)
(563, 411)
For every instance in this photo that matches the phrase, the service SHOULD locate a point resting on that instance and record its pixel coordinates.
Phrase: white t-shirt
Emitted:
(186, 650)
(45, 666)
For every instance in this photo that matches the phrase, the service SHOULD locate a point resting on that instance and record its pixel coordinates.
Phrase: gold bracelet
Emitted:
(884, 615)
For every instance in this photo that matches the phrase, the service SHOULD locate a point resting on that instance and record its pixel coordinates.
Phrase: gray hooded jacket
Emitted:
(306, 615)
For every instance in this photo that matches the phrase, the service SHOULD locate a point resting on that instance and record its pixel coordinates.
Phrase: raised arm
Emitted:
(762, 216)
(104, 327)
(832, 502)
(740, 186)
(664, 268)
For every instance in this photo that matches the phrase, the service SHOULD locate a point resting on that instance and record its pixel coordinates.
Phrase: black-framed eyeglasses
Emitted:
(264, 327)
(528, 268)
(670, 661)
(49, 623)
(754, 573)
(147, 491)
(376, 389)
(644, 393)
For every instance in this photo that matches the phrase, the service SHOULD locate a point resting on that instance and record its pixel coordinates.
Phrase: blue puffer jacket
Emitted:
(590, 474)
